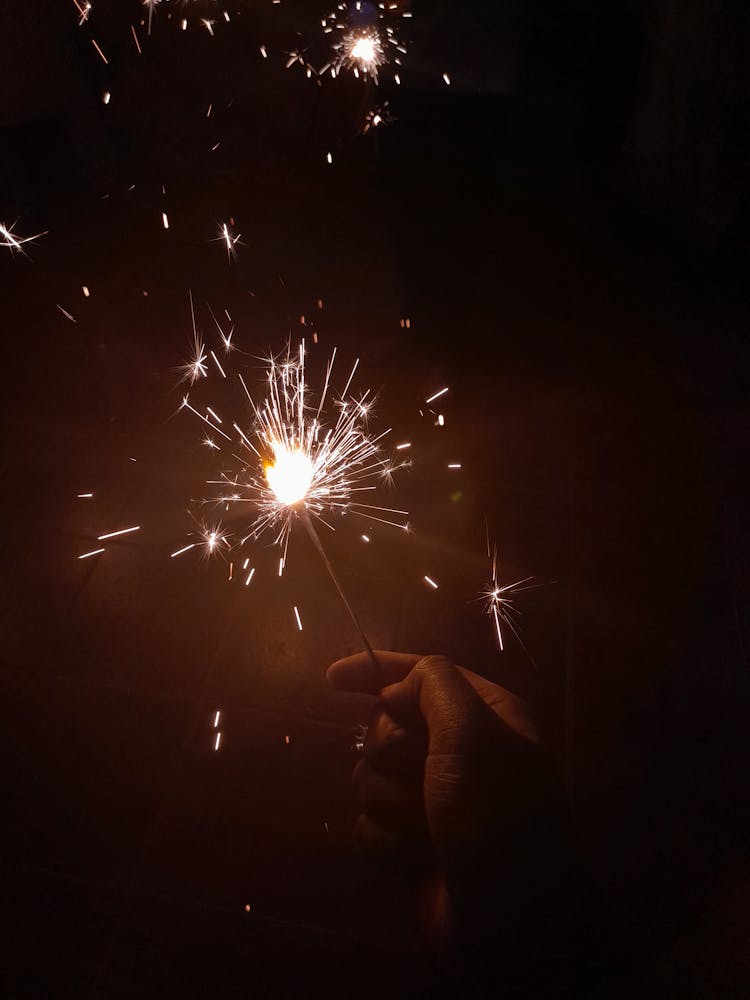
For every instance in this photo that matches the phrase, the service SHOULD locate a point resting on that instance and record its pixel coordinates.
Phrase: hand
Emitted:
(454, 784)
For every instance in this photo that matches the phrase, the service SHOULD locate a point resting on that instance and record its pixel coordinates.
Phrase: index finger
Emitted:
(357, 673)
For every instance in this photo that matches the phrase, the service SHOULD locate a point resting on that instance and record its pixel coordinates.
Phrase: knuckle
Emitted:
(434, 663)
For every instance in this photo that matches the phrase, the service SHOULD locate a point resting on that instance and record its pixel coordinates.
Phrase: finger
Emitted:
(395, 853)
(400, 700)
(393, 749)
(394, 805)
(358, 674)
(437, 690)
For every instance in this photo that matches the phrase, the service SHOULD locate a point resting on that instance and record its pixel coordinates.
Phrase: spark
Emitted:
(431, 582)
(179, 552)
(360, 738)
(499, 599)
(195, 368)
(165, 220)
(87, 555)
(84, 11)
(217, 717)
(116, 534)
(84, 496)
(208, 24)
(229, 240)
(66, 314)
(214, 539)
(366, 538)
(217, 744)
(135, 39)
(380, 115)
(106, 97)
(86, 292)
(103, 57)
(221, 370)
(250, 576)
(151, 4)
(437, 395)
(447, 79)
(299, 621)
(455, 465)
(13, 242)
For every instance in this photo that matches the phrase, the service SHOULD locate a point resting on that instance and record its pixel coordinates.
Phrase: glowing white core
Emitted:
(290, 476)
(364, 50)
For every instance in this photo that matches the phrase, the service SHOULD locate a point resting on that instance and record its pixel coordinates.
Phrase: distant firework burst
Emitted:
(366, 39)
(361, 51)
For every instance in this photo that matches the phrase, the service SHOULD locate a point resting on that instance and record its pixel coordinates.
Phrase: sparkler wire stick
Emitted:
(315, 539)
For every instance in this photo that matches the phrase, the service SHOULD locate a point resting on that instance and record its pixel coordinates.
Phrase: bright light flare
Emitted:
(362, 52)
(290, 476)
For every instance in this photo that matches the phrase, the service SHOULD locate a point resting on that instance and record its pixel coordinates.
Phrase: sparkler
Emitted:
(299, 460)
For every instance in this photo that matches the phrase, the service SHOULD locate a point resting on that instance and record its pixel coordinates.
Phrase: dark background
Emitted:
(565, 229)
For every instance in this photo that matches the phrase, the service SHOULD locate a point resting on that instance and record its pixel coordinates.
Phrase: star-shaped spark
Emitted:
(377, 116)
(196, 367)
(230, 241)
(14, 242)
(499, 600)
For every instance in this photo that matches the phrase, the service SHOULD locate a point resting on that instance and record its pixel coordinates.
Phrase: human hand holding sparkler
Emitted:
(455, 784)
